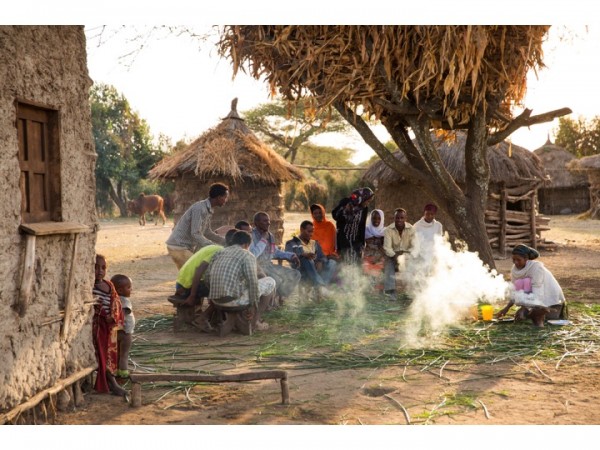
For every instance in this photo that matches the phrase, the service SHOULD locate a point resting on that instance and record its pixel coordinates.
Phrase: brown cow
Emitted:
(147, 203)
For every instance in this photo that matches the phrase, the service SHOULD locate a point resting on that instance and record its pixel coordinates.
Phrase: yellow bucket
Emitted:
(487, 312)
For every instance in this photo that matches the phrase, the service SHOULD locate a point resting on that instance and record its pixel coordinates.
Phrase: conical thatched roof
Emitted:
(521, 167)
(232, 150)
(585, 164)
(555, 160)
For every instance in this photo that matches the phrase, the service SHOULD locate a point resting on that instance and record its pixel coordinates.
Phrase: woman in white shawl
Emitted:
(374, 255)
(536, 290)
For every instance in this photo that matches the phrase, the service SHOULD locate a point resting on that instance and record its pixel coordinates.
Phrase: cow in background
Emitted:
(148, 203)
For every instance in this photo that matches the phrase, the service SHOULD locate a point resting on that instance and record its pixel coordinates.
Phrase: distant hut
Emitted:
(590, 165)
(511, 216)
(565, 192)
(47, 231)
(230, 153)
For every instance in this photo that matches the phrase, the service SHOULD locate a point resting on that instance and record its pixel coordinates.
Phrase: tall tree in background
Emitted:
(580, 137)
(124, 147)
(287, 126)
(413, 79)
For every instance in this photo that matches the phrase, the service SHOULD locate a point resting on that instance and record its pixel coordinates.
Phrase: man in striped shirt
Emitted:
(192, 231)
(234, 282)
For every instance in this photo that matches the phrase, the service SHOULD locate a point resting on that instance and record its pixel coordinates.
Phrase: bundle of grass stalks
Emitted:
(320, 336)
(444, 72)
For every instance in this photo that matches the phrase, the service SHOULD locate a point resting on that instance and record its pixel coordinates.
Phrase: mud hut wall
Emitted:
(45, 65)
(556, 200)
(245, 199)
(594, 178)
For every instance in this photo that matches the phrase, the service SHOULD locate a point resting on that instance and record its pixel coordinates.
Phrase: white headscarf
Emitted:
(371, 230)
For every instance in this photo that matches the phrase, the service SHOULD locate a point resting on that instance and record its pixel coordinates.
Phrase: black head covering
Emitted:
(527, 252)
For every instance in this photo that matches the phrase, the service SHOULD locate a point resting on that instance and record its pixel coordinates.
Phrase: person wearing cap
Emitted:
(426, 228)
(350, 216)
(536, 291)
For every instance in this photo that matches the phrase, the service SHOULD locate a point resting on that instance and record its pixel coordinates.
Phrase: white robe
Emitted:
(425, 233)
(545, 289)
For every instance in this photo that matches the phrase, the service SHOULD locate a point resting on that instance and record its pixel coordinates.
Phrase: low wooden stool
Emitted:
(184, 314)
(230, 317)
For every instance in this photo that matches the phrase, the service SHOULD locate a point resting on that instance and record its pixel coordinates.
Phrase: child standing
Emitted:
(123, 286)
(107, 320)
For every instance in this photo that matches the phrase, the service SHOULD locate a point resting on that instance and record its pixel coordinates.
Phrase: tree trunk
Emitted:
(465, 208)
(118, 201)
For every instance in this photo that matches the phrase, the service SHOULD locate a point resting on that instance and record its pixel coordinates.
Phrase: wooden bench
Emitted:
(138, 378)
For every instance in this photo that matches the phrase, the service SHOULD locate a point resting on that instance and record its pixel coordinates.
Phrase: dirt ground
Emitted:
(509, 392)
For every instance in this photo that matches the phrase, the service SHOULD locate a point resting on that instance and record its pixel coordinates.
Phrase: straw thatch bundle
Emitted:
(509, 163)
(555, 160)
(445, 72)
(565, 192)
(228, 150)
(588, 163)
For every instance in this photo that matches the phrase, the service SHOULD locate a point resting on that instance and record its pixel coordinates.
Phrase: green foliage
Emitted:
(287, 126)
(124, 145)
(580, 137)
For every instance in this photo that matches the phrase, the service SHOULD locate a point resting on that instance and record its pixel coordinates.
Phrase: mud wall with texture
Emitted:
(45, 66)
(245, 199)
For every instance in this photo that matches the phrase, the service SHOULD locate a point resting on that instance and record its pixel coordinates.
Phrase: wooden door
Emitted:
(36, 160)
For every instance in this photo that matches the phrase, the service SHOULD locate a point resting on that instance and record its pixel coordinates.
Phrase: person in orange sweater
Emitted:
(324, 231)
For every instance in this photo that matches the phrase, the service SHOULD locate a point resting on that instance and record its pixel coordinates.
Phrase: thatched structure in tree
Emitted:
(565, 192)
(590, 165)
(230, 153)
(47, 231)
(413, 79)
(511, 214)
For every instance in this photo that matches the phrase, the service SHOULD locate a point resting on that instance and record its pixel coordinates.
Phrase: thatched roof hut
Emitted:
(590, 165)
(565, 192)
(515, 174)
(232, 154)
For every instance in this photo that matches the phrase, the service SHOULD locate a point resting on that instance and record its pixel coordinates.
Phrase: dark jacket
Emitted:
(344, 228)
(294, 245)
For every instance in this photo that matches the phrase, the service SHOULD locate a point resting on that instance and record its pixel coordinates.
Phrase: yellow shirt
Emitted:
(188, 270)
(393, 242)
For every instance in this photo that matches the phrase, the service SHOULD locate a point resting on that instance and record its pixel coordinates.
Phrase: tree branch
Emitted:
(369, 137)
(525, 120)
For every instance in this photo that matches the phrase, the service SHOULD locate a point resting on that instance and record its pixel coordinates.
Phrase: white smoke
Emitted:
(444, 284)
(350, 298)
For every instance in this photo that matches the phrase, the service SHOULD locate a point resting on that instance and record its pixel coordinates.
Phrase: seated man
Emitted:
(264, 249)
(398, 238)
(314, 265)
(234, 282)
(191, 281)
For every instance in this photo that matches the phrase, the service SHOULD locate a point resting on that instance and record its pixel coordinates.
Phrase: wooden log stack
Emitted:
(511, 218)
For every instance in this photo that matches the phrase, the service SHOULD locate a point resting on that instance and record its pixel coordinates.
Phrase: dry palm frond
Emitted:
(459, 69)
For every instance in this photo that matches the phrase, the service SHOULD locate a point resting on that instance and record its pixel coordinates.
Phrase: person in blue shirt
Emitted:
(265, 250)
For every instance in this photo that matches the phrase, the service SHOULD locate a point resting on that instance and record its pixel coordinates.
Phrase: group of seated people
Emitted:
(243, 271)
